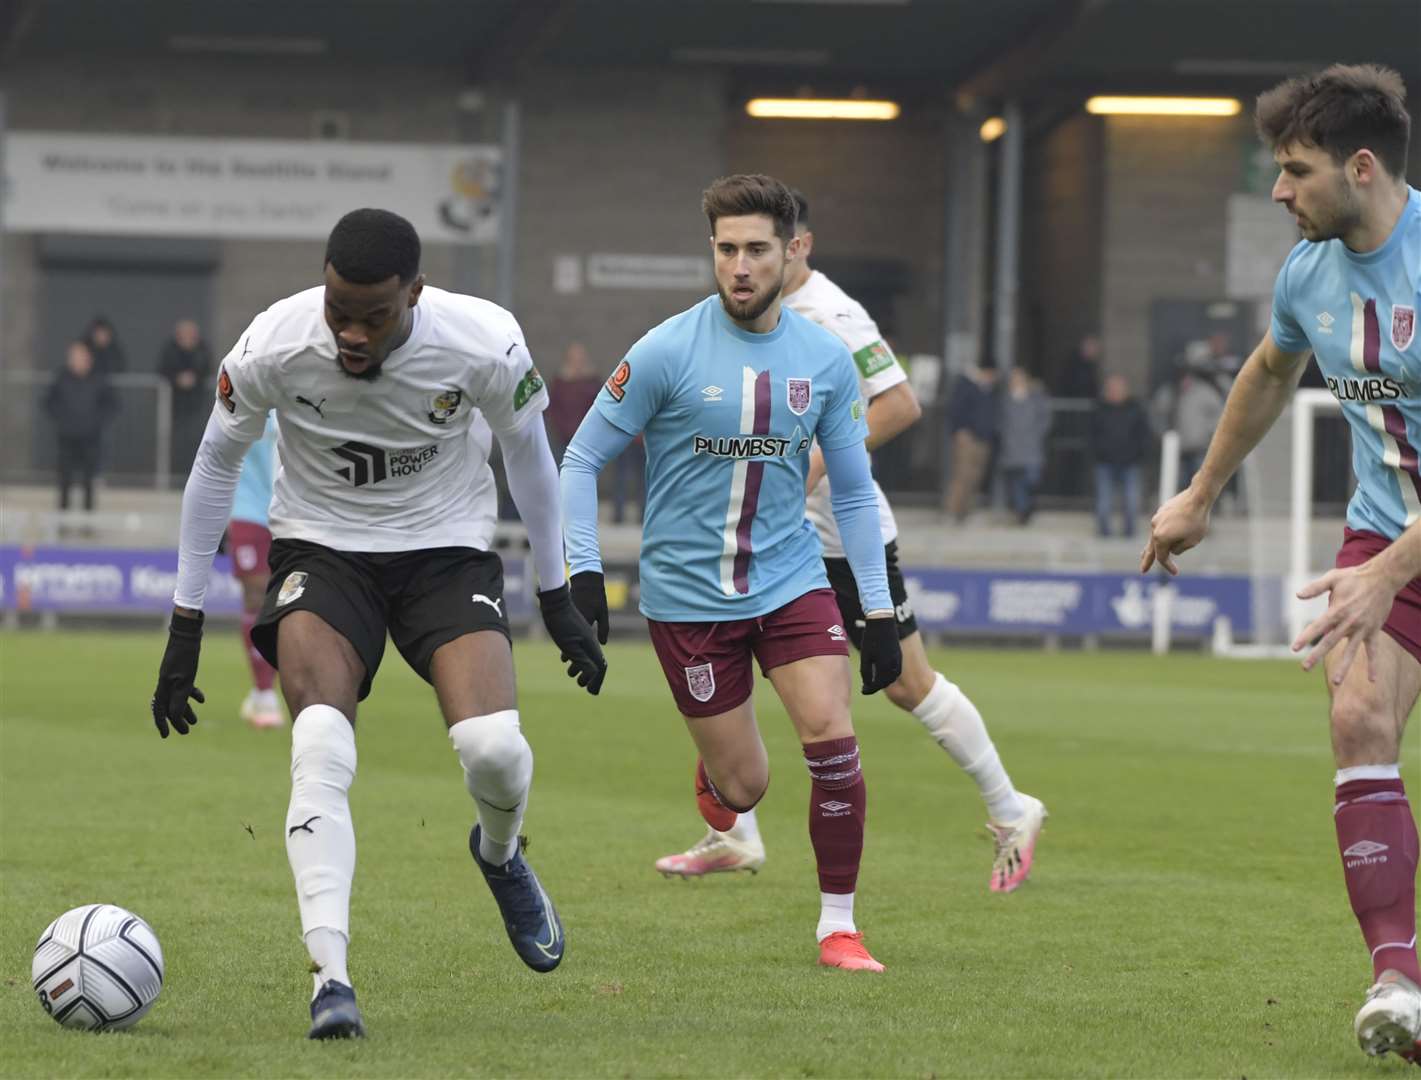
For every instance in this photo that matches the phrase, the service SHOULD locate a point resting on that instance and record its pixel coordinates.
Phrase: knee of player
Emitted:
(1360, 716)
(743, 789)
(910, 688)
(494, 742)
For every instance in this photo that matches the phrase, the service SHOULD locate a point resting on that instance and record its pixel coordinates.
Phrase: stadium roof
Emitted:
(985, 48)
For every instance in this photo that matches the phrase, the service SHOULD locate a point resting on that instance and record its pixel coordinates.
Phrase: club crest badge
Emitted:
(1403, 325)
(291, 588)
(444, 406)
(700, 680)
(797, 392)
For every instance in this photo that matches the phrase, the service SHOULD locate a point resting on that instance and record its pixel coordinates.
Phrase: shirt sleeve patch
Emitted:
(524, 391)
(872, 359)
(617, 383)
(224, 391)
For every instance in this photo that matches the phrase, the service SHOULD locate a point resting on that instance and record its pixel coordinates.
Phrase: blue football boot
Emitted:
(334, 1013)
(528, 915)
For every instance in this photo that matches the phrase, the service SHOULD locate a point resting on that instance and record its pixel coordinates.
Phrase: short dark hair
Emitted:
(751, 193)
(801, 204)
(369, 246)
(1340, 110)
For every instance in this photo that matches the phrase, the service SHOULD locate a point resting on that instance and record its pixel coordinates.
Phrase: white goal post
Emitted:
(1268, 578)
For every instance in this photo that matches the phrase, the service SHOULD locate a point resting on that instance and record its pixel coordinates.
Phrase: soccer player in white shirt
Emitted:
(385, 393)
(1014, 818)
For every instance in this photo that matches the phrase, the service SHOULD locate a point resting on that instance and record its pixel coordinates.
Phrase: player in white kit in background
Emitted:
(385, 392)
(1014, 818)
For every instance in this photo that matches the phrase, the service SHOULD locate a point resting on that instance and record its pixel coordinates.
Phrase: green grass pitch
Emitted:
(1186, 916)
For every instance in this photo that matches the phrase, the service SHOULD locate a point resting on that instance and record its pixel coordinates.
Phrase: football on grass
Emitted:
(98, 968)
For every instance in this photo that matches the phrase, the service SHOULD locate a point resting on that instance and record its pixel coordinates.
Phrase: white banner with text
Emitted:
(248, 188)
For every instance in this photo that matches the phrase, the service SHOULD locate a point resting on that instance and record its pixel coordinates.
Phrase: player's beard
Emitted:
(752, 309)
(1336, 220)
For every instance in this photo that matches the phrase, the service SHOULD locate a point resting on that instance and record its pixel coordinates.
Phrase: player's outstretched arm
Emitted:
(533, 482)
(207, 504)
(1262, 390)
(855, 505)
(596, 442)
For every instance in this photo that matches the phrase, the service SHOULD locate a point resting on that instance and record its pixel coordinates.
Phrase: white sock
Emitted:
(746, 829)
(327, 951)
(320, 838)
(498, 769)
(1366, 772)
(836, 913)
(955, 723)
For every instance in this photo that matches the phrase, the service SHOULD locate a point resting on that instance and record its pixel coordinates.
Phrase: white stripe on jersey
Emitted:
(1376, 418)
(729, 544)
(1357, 351)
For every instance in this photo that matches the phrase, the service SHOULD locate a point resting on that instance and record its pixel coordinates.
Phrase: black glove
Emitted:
(589, 593)
(576, 643)
(176, 675)
(880, 655)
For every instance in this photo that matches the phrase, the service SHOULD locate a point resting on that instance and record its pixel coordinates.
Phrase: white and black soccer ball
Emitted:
(98, 968)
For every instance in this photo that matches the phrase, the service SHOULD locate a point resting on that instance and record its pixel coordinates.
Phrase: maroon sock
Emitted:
(837, 805)
(1377, 837)
(263, 674)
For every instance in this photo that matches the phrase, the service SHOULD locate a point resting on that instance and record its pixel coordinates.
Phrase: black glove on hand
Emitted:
(176, 675)
(571, 633)
(589, 593)
(880, 655)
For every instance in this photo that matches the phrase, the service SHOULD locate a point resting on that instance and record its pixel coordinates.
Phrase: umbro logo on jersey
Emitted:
(712, 393)
(370, 464)
(835, 808)
(1324, 322)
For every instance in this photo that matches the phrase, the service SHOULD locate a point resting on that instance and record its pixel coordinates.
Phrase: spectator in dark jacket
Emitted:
(186, 364)
(1119, 442)
(972, 429)
(570, 395)
(80, 403)
(104, 347)
(1026, 418)
(1080, 376)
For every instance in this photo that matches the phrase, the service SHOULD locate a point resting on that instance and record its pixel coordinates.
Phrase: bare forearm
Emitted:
(890, 414)
(1259, 395)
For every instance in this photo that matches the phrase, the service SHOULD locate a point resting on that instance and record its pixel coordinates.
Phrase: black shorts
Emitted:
(846, 592)
(425, 599)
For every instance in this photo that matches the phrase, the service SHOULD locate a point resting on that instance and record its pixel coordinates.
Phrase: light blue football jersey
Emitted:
(258, 474)
(1358, 315)
(729, 417)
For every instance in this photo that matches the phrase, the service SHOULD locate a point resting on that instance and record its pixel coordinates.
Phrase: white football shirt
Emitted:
(399, 463)
(824, 302)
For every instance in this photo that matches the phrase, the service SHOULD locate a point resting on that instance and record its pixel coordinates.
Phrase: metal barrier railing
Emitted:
(159, 387)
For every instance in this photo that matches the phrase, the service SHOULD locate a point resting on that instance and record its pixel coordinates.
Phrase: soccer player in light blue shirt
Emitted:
(248, 544)
(730, 397)
(1349, 294)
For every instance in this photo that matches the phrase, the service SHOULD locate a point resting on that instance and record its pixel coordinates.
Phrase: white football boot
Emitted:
(261, 709)
(1390, 1021)
(1016, 846)
(717, 852)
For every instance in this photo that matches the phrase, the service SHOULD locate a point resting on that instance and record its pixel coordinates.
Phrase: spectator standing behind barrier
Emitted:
(1199, 403)
(80, 403)
(972, 428)
(1080, 378)
(1026, 418)
(186, 363)
(103, 346)
(1119, 441)
(249, 543)
(570, 395)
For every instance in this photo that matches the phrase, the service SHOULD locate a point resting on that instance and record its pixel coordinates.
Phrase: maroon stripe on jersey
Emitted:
(754, 475)
(1392, 420)
(1371, 338)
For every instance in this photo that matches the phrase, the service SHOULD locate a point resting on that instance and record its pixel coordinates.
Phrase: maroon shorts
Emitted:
(249, 544)
(1404, 622)
(707, 665)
